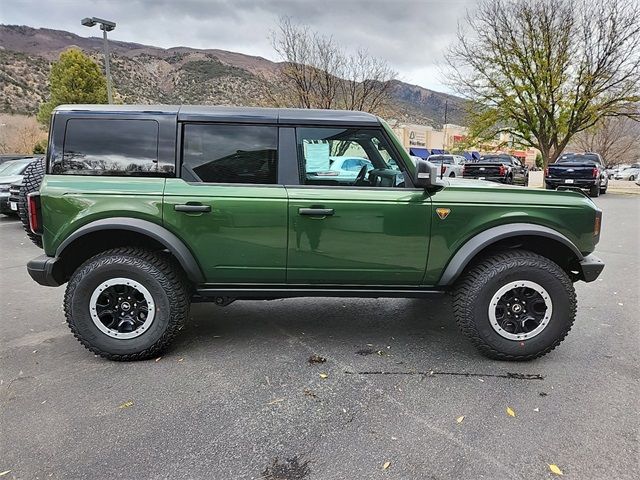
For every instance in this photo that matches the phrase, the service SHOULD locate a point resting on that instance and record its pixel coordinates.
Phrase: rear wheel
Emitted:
(515, 306)
(632, 177)
(594, 191)
(31, 180)
(127, 303)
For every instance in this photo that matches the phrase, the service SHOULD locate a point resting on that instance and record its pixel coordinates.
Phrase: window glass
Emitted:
(347, 157)
(109, 147)
(231, 153)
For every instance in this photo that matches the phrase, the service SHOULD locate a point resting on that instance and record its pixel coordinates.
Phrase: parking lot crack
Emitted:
(508, 375)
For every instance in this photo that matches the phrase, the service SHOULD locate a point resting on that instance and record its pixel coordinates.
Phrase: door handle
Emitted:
(316, 212)
(189, 208)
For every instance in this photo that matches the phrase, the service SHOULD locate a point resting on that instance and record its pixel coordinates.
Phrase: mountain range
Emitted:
(180, 75)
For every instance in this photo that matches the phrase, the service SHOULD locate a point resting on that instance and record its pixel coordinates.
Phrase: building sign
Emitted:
(417, 138)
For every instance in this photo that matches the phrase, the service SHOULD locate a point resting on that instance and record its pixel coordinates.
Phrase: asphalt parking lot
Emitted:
(236, 396)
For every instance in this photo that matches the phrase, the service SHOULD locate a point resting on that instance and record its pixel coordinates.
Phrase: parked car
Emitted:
(629, 173)
(10, 172)
(578, 170)
(344, 169)
(498, 168)
(136, 245)
(450, 165)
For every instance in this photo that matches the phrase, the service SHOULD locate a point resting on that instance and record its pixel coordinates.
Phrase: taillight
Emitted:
(33, 209)
(443, 169)
(464, 168)
(594, 173)
(503, 170)
(546, 172)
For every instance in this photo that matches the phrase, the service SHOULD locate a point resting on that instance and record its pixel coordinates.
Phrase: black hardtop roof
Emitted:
(203, 113)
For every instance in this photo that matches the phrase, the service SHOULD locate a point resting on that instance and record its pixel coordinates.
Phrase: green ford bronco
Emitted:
(144, 209)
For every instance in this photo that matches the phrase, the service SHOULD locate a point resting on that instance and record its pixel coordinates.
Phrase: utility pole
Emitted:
(105, 26)
(444, 134)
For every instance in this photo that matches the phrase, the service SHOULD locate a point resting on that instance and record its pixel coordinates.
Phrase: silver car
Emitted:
(630, 173)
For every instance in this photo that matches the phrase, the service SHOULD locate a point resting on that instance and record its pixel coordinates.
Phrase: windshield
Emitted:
(14, 167)
(578, 157)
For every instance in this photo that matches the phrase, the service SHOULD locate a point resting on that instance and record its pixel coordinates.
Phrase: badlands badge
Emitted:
(443, 212)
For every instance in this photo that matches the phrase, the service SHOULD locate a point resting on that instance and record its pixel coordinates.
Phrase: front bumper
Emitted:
(590, 267)
(46, 271)
(4, 203)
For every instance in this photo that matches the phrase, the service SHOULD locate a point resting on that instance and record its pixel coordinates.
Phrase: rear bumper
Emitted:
(45, 270)
(590, 267)
(577, 182)
(488, 178)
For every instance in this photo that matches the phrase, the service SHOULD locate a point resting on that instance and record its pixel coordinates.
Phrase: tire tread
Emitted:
(469, 285)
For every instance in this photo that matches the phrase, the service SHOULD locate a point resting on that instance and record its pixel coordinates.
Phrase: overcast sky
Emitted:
(411, 35)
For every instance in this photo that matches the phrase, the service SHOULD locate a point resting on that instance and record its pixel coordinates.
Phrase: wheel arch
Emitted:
(101, 235)
(536, 238)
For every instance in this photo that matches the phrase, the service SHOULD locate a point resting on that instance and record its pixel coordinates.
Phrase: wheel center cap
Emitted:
(516, 308)
(125, 306)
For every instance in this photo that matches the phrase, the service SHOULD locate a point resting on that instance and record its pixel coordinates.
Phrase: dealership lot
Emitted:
(236, 396)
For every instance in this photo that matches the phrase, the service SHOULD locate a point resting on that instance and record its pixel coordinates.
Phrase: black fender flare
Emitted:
(144, 227)
(492, 235)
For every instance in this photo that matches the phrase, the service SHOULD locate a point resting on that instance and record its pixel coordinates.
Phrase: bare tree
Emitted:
(545, 70)
(617, 139)
(317, 73)
(19, 134)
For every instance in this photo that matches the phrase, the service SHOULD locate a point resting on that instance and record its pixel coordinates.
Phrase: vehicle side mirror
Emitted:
(427, 175)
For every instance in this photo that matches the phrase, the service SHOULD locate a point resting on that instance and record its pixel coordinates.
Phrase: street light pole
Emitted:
(105, 26)
(106, 63)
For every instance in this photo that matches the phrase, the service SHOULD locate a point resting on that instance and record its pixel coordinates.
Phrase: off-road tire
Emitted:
(594, 191)
(474, 290)
(158, 272)
(31, 181)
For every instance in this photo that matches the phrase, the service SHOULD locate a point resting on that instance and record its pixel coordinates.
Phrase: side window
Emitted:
(347, 157)
(126, 147)
(216, 153)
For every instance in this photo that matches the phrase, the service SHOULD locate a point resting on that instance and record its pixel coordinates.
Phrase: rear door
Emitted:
(371, 231)
(228, 205)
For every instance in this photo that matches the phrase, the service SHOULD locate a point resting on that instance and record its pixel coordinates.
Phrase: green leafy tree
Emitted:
(74, 78)
(544, 70)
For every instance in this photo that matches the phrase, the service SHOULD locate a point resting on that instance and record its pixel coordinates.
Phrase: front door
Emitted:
(370, 228)
(228, 207)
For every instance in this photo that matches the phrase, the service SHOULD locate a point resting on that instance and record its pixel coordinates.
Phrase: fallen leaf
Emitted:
(481, 380)
(510, 412)
(316, 359)
(181, 359)
(460, 419)
(158, 359)
(386, 465)
(536, 409)
(555, 469)
(2, 474)
(277, 400)
(324, 375)
(310, 393)
(127, 404)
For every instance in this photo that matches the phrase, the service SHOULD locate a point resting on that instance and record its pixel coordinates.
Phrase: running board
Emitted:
(210, 293)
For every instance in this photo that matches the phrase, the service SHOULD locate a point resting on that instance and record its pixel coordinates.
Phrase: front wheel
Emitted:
(127, 303)
(515, 306)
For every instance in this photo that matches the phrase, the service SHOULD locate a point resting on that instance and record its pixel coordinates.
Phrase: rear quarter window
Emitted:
(115, 147)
